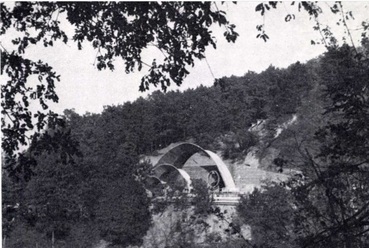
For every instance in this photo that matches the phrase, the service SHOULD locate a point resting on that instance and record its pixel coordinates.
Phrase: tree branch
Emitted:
(347, 28)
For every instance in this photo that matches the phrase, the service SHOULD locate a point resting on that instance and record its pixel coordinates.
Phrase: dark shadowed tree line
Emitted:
(77, 182)
(96, 187)
(327, 202)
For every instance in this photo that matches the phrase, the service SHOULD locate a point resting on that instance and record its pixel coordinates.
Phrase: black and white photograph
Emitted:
(168, 124)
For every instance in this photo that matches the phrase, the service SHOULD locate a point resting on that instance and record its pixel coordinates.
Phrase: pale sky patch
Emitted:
(86, 89)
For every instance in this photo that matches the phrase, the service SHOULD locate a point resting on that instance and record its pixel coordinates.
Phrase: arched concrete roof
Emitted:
(152, 181)
(162, 172)
(178, 156)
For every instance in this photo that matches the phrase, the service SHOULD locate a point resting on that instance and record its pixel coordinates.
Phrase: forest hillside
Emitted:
(302, 121)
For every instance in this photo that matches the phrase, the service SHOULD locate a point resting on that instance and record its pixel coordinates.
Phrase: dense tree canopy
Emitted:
(328, 198)
(270, 214)
(93, 196)
(181, 31)
(87, 164)
(329, 181)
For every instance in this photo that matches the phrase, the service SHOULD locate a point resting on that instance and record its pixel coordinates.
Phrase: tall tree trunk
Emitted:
(52, 239)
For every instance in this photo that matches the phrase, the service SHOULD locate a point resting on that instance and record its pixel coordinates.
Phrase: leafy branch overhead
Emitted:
(181, 31)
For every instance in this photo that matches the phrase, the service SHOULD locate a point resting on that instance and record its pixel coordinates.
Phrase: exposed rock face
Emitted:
(248, 174)
(171, 225)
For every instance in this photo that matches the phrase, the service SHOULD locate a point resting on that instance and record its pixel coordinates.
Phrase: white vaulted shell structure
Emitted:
(180, 154)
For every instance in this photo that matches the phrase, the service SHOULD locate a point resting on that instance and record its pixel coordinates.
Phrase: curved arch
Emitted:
(153, 181)
(165, 172)
(154, 186)
(178, 156)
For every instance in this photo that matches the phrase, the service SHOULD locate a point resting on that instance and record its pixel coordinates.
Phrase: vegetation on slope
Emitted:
(76, 198)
